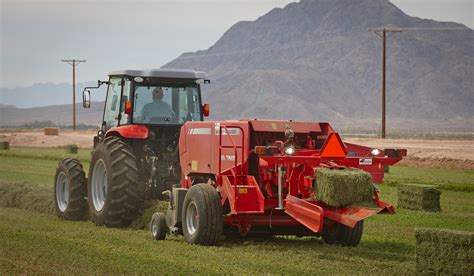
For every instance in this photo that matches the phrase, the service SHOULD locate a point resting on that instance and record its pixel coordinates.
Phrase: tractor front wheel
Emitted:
(70, 190)
(202, 217)
(113, 184)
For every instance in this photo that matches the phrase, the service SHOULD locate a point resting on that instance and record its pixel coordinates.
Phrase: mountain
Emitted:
(58, 114)
(46, 94)
(316, 61)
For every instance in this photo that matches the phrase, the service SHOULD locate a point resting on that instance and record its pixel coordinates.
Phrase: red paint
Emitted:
(129, 131)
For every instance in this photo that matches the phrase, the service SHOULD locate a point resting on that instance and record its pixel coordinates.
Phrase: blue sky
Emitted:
(117, 34)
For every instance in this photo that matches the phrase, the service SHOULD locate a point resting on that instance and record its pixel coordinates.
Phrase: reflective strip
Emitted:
(199, 131)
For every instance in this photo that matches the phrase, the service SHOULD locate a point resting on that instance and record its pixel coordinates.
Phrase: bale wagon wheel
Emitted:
(70, 190)
(337, 233)
(158, 226)
(202, 217)
(113, 184)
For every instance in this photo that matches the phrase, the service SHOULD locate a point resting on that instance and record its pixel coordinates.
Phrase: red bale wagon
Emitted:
(258, 177)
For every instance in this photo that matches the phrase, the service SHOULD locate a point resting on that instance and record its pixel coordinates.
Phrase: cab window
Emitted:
(125, 118)
(112, 104)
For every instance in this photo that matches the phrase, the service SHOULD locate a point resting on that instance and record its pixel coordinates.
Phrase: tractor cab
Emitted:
(159, 97)
(145, 109)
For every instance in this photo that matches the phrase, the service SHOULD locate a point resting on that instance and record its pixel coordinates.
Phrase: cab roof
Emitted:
(161, 73)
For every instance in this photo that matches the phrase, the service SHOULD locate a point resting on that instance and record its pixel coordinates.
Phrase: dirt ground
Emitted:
(437, 153)
(36, 138)
(427, 152)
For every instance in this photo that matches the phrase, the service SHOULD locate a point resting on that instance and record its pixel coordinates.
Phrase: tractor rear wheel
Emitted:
(337, 233)
(158, 226)
(202, 217)
(70, 190)
(113, 184)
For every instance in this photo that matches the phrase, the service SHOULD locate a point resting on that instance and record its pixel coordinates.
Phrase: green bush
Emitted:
(72, 148)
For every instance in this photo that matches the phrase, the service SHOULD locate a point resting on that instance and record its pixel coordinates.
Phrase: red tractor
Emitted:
(135, 154)
(257, 177)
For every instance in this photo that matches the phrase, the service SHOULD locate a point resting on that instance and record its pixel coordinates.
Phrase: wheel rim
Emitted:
(154, 229)
(191, 218)
(99, 185)
(62, 191)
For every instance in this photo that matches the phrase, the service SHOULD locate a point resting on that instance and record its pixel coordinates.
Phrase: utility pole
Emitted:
(383, 34)
(73, 62)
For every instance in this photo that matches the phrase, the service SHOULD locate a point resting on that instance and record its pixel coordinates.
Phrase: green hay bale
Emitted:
(419, 197)
(440, 251)
(4, 145)
(27, 196)
(339, 188)
(72, 148)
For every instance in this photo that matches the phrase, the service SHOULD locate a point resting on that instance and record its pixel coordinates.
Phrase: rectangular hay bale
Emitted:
(440, 251)
(339, 188)
(419, 197)
(4, 145)
(51, 131)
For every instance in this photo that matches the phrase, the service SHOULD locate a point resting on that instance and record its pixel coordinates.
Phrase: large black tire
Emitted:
(205, 226)
(115, 204)
(158, 226)
(336, 233)
(330, 233)
(70, 190)
(351, 236)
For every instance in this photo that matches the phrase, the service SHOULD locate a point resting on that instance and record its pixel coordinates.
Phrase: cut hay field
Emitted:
(34, 242)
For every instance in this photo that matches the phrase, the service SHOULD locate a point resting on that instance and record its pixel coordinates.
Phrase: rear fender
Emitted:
(129, 131)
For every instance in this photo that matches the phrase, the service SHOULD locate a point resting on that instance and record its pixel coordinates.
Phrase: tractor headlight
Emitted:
(289, 150)
(375, 152)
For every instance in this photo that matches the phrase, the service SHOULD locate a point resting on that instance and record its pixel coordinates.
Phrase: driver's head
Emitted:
(157, 93)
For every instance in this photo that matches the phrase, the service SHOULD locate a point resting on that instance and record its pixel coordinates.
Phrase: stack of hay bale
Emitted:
(51, 131)
(440, 252)
(419, 197)
(339, 188)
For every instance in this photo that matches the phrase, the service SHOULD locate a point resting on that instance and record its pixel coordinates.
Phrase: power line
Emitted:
(73, 63)
(383, 34)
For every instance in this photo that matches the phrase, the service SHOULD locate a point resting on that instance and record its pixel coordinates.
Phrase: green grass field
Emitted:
(32, 242)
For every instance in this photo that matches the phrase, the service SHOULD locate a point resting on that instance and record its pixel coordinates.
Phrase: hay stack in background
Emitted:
(51, 131)
(419, 197)
(440, 252)
(339, 188)
(4, 145)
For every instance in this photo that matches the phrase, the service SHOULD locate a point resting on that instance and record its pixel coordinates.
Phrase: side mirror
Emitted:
(86, 99)
(206, 110)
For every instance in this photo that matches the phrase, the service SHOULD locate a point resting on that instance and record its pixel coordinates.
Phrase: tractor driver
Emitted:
(157, 110)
